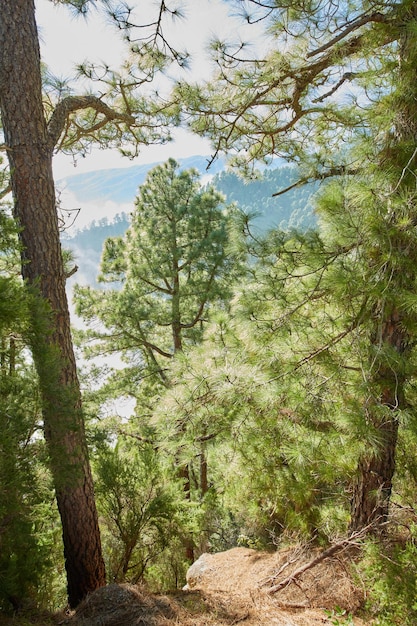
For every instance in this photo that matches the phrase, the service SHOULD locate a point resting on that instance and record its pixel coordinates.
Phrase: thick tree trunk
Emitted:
(30, 157)
(373, 485)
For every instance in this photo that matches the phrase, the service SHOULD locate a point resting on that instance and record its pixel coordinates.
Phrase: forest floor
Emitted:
(234, 587)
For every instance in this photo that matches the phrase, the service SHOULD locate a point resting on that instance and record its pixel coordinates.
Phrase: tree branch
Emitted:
(5, 191)
(337, 547)
(361, 21)
(333, 171)
(125, 433)
(201, 308)
(292, 83)
(152, 347)
(72, 104)
(332, 342)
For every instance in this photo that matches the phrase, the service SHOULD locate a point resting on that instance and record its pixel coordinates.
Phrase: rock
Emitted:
(197, 570)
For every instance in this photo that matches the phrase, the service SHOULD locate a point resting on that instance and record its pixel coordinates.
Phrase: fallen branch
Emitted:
(294, 557)
(337, 547)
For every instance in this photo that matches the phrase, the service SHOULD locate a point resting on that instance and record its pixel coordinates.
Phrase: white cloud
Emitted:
(185, 144)
(77, 213)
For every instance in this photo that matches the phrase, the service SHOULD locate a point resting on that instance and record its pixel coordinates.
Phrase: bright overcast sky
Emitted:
(67, 40)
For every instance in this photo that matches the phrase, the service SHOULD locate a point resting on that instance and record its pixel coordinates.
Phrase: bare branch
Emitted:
(154, 348)
(4, 192)
(374, 17)
(71, 272)
(141, 341)
(337, 547)
(347, 76)
(125, 433)
(333, 171)
(72, 104)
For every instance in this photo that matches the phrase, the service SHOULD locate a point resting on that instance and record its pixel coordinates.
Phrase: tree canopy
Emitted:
(173, 265)
(334, 94)
(274, 377)
(311, 93)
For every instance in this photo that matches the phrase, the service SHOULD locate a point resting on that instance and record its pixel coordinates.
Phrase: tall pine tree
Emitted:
(336, 95)
(34, 127)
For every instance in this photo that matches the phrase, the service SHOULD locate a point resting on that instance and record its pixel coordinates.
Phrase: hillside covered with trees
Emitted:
(255, 198)
(263, 328)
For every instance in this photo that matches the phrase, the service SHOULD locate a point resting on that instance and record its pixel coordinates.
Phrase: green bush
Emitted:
(27, 533)
(390, 576)
(141, 513)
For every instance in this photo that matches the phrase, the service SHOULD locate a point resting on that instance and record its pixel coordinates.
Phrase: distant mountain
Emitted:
(87, 245)
(120, 186)
(290, 210)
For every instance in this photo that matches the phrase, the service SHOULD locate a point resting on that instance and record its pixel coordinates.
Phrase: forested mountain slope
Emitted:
(291, 210)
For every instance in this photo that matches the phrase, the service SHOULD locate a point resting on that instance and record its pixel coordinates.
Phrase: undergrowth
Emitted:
(390, 575)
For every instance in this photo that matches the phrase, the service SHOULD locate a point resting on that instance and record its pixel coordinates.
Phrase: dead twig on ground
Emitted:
(276, 575)
(331, 551)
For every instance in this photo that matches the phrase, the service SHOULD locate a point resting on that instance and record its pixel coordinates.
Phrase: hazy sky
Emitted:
(67, 40)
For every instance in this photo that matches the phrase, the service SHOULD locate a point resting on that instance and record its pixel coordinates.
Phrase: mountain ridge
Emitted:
(121, 184)
(120, 187)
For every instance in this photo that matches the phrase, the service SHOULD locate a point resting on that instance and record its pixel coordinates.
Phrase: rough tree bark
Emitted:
(29, 149)
(373, 484)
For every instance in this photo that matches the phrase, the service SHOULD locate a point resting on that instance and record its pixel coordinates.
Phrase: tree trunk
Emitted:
(184, 474)
(373, 485)
(203, 471)
(372, 489)
(184, 470)
(30, 157)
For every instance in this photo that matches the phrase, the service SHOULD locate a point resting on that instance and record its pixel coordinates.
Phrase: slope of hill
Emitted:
(120, 186)
(291, 210)
(234, 587)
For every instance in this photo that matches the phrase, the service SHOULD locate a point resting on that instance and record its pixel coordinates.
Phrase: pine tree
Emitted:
(34, 127)
(337, 95)
(173, 265)
(393, 262)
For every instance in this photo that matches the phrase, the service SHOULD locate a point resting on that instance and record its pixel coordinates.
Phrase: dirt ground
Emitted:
(234, 587)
